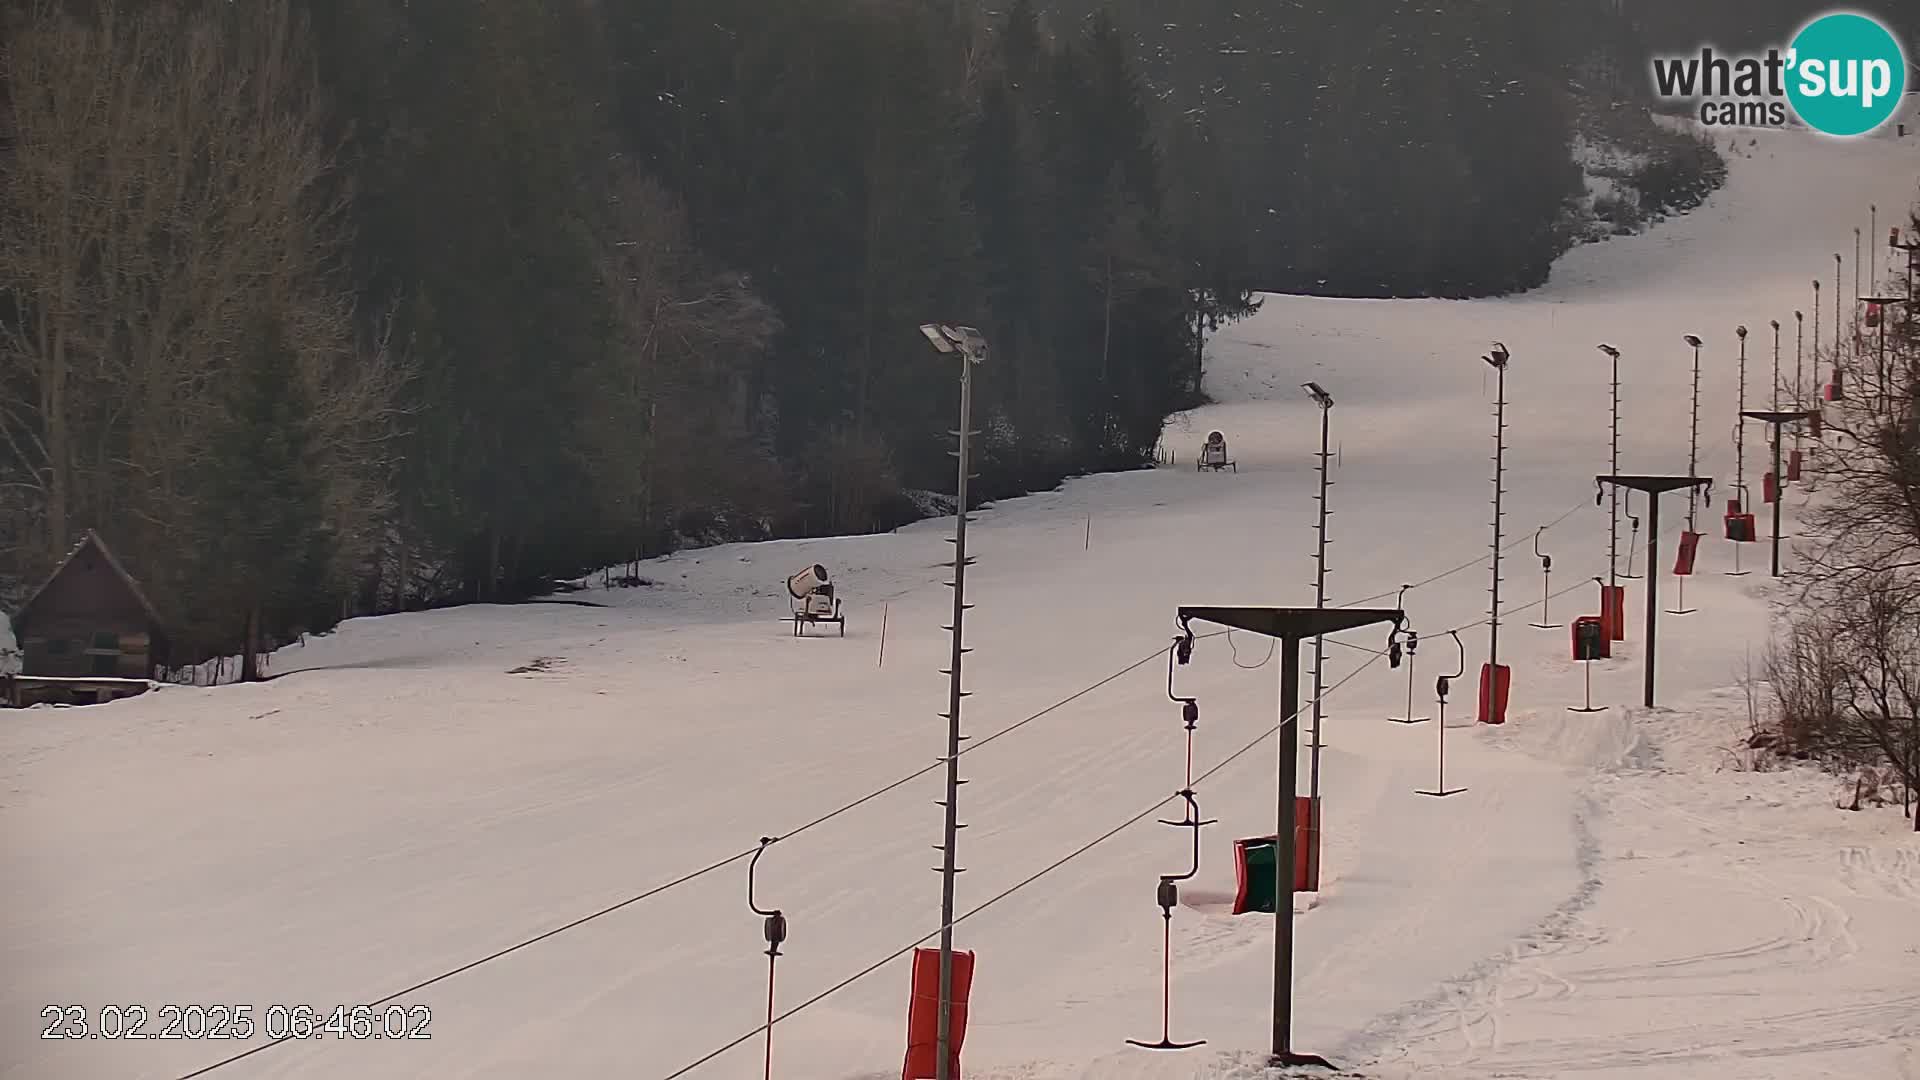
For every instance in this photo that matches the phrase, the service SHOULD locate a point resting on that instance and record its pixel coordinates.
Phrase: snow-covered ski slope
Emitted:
(1604, 900)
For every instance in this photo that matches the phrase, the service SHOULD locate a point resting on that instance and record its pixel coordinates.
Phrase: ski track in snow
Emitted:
(1606, 899)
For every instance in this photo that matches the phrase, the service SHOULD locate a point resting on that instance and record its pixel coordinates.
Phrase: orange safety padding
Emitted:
(1306, 844)
(1613, 611)
(1794, 462)
(923, 1014)
(1496, 682)
(1689, 549)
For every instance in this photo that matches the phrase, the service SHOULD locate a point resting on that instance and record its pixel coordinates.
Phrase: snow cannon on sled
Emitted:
(810, 593)
(1214, 454)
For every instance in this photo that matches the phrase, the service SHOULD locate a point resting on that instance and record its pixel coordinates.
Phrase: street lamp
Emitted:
(1325, 400)
(971, 346)
(1492, 702)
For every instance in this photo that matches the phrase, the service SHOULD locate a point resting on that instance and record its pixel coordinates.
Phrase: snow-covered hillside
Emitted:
(1608, 898)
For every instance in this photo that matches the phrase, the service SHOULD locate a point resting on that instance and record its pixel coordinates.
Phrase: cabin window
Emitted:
(106, 664)
(107, 640)
(56, 646)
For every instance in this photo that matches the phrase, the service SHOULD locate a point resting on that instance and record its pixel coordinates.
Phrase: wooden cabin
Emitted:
(89, 621)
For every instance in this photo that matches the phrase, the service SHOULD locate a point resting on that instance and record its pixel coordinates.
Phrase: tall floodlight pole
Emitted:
(1775, 323)
(1739, 429)
(1693, 441)
(1613, 465)
(1740, 445)
(971, 347)
(1873, 249)
(1498, 358)
(1289, 626)
(1799, 357)
(1816, 335)
(1857, 286)
(1325, 401)
(1777, 419)
(1839, 267)
(1653, 486)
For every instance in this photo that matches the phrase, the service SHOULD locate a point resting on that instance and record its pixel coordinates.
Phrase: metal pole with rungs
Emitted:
(1325, 401)
(1289, 626)
(1613, 465)
(1498, 358)
(1740, 432)
(971, 347)
(1654, 486)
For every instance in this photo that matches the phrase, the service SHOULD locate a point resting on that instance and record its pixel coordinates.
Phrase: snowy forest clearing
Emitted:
(1607, 898)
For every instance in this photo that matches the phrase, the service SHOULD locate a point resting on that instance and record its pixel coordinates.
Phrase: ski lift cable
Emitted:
(1481, 560)
(725, 862)
(1023, 883)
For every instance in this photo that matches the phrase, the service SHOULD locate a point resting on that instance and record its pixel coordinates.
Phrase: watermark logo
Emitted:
(1843, 74)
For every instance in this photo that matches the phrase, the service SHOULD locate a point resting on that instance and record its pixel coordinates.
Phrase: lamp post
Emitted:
(1653, 486)
(1740, 445)
(1693, 439)
(971, 347)
(1490, 711)
(1325, 401)
(1777, 419)
(1613, 465)
(1289, 626)
(1799, 355)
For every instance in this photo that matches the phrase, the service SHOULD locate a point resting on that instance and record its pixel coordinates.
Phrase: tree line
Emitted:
(318, 308)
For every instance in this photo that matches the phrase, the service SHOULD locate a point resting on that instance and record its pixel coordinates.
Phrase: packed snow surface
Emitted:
(1611, 895)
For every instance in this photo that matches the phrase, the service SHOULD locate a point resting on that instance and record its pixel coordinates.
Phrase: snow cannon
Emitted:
(1213, 456)
(807, 582)
(812, 600)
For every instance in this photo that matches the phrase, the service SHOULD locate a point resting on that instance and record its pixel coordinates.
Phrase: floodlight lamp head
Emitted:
(972, 342)
(1498, 357)
(1775, 323)
(1741, 331)
(1610, 351)
(1799, 316)
(936, 335)
(1694, 340)
(1319, 394)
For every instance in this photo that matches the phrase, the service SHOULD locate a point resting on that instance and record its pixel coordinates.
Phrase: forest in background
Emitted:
(316, 308)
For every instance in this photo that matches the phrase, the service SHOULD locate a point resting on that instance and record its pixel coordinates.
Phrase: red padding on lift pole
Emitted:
(1814, 424)
(1689, 548)
(923, 1014)
(1613, 611)
(1740, 528)
(1733, 507)
(1837, 389)
(1769, 488)
(1794, 461)
(1496, 682)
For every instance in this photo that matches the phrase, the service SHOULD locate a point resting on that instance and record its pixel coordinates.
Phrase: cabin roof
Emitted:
(92, 539)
